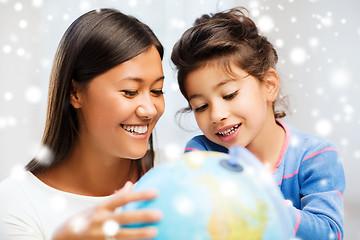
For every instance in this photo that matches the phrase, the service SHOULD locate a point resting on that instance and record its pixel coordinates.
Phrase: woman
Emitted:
(105, 97)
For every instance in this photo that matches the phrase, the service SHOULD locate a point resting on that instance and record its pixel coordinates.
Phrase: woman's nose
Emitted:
(146, 109)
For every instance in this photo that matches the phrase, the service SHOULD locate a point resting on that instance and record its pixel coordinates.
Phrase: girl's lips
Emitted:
(228, 134)
(227, 129)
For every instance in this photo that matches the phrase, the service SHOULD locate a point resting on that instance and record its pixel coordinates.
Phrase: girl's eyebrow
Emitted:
(194, 96)
(222, 83)
(215, 87)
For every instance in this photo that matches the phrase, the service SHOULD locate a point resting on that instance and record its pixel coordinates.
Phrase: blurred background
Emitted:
(318, 42)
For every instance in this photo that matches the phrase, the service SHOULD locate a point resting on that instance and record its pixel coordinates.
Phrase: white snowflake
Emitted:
(84, 6)
(172, 151)
(177, 23)
(79, 223)
(18, 7)
(298, 55)
(110, 228)
(279, 43)
(228, 187)
(314, 42)
(20, 52)
(33, 94)
(18, 172)
(265, 24)
(8, 96)
(339, 78)
(37, 3)
(23, 24)
(323, 127)
(326, 21)
(132, 3)
(44, 155)
(7, 49)
(184, 205)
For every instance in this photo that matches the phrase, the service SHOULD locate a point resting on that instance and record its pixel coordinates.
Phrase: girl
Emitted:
(226, 71)
(105, 98)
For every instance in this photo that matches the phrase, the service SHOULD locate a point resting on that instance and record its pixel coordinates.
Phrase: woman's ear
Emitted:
(272, 84)
(74, 95)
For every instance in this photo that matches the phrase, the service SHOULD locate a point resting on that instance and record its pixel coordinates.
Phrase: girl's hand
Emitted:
(90, 224)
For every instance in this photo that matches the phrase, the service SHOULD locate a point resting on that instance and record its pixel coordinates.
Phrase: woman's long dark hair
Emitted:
(94, 43)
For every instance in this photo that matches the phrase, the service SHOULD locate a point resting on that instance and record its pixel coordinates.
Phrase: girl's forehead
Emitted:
(224, 68)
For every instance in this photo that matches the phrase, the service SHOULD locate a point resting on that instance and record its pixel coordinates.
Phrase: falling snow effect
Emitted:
(316, 42)
(44, 156)
(298, 55)
(323, 127)
(33, 94)
(110, 228)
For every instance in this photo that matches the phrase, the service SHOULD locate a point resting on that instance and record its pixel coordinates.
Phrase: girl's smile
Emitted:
(229, 133)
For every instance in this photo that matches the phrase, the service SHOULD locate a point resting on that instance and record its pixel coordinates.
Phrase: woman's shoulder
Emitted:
(13, 185)
(15, 191)
(17, 213)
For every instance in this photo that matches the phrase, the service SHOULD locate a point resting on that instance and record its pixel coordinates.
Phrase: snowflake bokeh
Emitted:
(317, 42)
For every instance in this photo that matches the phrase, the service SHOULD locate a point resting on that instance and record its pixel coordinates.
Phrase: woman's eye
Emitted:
(157, 92)
(231, 96)
(201, 108)
(130, 93)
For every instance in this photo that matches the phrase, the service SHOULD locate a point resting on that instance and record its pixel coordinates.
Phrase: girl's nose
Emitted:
(217, 114)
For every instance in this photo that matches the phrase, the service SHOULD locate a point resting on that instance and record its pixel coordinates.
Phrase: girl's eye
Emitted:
(231, 95)
(201, 108)
(130, 93)
(157, 93)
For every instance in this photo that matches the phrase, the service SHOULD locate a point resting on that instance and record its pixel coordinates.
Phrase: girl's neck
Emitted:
(268, 145)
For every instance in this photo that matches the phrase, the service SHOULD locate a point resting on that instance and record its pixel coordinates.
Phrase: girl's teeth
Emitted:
(229, 131)
(135, 129)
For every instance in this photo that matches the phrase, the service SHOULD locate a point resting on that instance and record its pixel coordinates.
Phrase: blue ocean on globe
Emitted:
(215, 196)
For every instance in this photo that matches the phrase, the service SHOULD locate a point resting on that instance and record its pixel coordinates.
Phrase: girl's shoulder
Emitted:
(304, 145)
(308, 140)
(202, 143)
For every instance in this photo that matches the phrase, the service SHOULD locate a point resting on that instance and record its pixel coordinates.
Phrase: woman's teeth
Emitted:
(229, 131)
(135, 129)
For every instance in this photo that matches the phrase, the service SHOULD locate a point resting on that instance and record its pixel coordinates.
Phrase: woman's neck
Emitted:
(89, 173)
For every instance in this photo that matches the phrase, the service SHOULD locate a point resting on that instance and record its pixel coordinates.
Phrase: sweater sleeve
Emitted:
(322, 183)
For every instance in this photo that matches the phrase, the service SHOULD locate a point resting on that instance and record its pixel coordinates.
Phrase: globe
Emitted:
(215, 196)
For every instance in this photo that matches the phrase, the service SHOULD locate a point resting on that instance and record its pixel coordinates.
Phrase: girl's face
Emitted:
(119, 108)
(229, 109)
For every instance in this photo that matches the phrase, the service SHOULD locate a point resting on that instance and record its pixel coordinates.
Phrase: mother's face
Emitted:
(119, 108)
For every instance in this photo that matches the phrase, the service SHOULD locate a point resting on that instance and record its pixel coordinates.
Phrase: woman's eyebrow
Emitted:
(137, 79)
